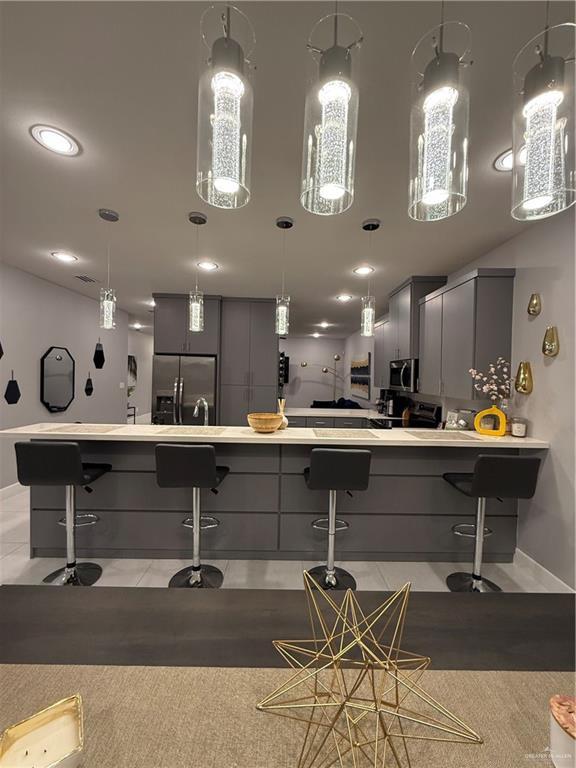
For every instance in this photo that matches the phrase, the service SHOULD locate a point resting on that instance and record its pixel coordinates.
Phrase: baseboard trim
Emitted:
(548, 580)
(11, 490)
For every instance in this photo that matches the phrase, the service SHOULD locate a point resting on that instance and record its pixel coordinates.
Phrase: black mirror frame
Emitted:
(55, 408)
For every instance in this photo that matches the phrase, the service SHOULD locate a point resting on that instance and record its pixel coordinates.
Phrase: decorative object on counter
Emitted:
(99, 358)
(331, 117)
(225, 107)
(196, 297)
(543, 142)
(281, 408)
(57, 379)
(360, 377)
(265, 422)
(12, 393)
(519, 427)
(491, 421)
(439, 122)
(282, 317)
(494, 385)
(563, 731)
(52, 738)
(108, 294)
(89, 386)
(551, 343)
(534, 305)
(337, 687)
(524, 382)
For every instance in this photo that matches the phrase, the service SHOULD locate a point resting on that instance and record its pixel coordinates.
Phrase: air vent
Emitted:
(87, 279)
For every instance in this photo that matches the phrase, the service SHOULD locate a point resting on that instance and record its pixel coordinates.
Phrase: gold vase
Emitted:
(524, 381)
(535, 305)
(551, 344)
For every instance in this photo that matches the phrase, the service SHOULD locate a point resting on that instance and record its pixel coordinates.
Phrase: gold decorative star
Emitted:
(352, 683)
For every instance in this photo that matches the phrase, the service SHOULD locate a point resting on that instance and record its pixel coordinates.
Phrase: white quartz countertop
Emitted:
(408, 438)
(337, 413)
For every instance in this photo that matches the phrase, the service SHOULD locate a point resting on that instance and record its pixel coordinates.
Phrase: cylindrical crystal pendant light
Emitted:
(282, 321)
(225, 106)
(368, 312)
(543, 173)
(331, 118)
(108, 294)
(196, 297)
(439, 123)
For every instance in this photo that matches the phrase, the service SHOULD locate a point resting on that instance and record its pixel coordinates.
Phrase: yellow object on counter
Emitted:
(498, 431)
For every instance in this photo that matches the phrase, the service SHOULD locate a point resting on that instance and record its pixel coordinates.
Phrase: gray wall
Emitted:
(543, 256)
(308, 384)
(141, 345)
(35, 315)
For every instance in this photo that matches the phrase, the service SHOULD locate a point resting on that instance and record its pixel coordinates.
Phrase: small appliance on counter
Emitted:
(460, 419)
(417, 415)
(391, 404)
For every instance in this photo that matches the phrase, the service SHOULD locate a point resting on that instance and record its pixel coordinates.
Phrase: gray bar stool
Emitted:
(494, 477)
(332, 470)
(192, 466)
(44, 462)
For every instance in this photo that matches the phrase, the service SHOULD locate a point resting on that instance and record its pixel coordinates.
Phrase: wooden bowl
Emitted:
(265, 422)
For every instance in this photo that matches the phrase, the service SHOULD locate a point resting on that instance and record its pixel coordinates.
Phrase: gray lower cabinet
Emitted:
(352, 423)
(322, 422)
(171, 332)
(297, 421)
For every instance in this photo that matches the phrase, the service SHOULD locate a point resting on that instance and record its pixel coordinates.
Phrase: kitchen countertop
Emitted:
(337, 413)
(407, 438)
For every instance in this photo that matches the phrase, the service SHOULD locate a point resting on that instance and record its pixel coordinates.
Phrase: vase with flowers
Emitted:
(496, 386)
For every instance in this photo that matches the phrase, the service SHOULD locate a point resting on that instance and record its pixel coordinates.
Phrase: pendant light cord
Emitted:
(283, 261)
(546, 27)
(441, 41)
(369, 254)
(335, 22)
(108, 263)
(197, 254)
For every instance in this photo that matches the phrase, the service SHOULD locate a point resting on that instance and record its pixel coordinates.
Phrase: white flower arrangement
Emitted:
(496, 384)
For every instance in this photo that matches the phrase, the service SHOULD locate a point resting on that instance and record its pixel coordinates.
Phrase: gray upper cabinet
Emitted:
(382, 354)
(171, 334)
(430, 344)
(467, 324)
(235, 347)
(263, 344)
(404, 314)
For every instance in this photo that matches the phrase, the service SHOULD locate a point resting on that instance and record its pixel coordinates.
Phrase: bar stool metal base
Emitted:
(465, 582)
(208, 577)
(80, 575)
(343, 579)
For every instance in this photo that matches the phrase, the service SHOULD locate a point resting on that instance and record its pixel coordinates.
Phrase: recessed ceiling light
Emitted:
(344, 297)
(64, 256)
(324, 324)
(207, 266)
(151, 303)
(55, 140)
(365, 269)
(137, 326)
(316, 335)
(504, 161)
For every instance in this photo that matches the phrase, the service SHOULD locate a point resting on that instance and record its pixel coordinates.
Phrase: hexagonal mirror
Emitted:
(57, 379)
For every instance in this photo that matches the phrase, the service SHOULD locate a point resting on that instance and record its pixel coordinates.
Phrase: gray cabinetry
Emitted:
(235, 347)
(382, 354)
(322, 422)
(467, 324)
(263, 344)
(171, 334)
(404, 315)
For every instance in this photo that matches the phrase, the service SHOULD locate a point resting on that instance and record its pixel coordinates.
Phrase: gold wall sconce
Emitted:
(524, 382)
(551, 343)
(535, 305)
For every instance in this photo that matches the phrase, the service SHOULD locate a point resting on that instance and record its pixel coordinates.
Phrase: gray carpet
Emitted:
(157, 717)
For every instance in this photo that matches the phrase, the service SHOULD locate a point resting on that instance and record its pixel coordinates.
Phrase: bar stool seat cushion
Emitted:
(462, 481)
(188, 466)
(91, 472)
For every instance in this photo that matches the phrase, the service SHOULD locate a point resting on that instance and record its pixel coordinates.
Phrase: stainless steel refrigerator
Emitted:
(177, 383)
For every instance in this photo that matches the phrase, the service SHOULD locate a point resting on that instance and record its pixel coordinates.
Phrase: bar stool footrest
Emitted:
(323, 523)
(81, 520)
(468, 530)
(206, 522)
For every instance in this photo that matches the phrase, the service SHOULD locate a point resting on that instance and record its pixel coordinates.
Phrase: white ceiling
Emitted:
(122, 76)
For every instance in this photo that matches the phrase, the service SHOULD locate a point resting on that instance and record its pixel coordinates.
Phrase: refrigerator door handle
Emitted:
(175, 403)
(180, 398)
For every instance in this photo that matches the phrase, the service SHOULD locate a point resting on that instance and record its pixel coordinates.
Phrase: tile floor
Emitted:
(16, 567)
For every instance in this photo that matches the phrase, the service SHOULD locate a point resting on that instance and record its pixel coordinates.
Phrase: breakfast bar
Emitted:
(264, 507)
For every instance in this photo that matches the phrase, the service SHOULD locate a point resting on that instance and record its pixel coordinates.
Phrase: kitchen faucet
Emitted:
(204, 403)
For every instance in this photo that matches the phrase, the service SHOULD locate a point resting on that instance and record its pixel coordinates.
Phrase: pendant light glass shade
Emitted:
(225, 107)
(368, 316)
(282, 315)
(331, 117)
(196, 311)
(107, 308)
(543, 173)
(439, 123)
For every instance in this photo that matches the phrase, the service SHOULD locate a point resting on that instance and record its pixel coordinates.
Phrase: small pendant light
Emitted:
(368, 313)
(543, 172)
(196, 297)
(282, 323)
(331, 117)
(225, 106)
(108, 294)
(439, 122)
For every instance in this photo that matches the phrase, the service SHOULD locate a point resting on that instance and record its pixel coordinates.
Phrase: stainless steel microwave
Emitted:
(404, 375)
